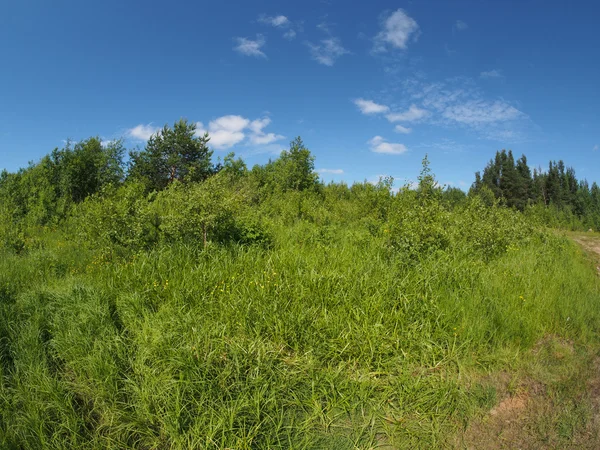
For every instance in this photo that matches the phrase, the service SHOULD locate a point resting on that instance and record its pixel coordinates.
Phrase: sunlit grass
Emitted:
(317, 342)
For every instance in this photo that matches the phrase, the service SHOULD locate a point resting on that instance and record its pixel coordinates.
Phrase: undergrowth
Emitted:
(314, 343)
(264, 310)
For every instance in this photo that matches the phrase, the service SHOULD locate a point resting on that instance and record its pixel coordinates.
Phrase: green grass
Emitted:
(323, 341)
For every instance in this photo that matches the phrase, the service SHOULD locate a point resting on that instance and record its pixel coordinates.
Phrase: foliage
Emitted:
(418, 221)
(172, 154)
(117, 218)
(569, 202)
(294, 170)
(181, 347)
(182, 306)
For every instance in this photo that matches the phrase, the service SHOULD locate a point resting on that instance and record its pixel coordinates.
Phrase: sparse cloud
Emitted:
(328, 51)
(279, 21)
(476, 112)
(265, 138)
(595, 147)
(460, 102)
(491, 74)
(370, 107)
(331, 171)
(142, 132)
(251, 47)
(324, 27)
(449, 51)
(413, 114)
(397, 29)
(445, 145)
(460, 25)
(502, 135)
(380, 145)
(227, 131)
(290, 34)
(402, 130)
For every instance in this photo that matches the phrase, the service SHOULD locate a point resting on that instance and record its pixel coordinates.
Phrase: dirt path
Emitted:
(560, 409)
(590, 243)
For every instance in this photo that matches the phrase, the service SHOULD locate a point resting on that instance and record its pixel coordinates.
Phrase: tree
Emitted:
(553, 183)
(524, 183)
(90, 165)
(173, 154)
(491, 175)
(539, 189)
(234, 168)
(453, 196)
(509, 180)
(188, 212)
(428, 186)
(294, 170)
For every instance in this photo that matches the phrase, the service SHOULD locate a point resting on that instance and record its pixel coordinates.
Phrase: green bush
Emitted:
(117, 217)
(488, 231)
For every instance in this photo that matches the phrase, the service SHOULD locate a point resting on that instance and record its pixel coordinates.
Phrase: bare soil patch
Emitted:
(591, 244)
(540, 414)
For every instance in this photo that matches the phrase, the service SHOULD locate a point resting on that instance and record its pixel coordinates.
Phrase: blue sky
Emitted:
(369, 86)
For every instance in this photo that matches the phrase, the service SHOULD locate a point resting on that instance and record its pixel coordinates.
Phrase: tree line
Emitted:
(557, 189)
(46, 192)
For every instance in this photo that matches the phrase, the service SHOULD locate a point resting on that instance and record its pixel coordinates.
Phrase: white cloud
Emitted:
(142, 132)
(370, 107)
(227, 131)
(224, 132)
(249, 47)
(258, 136)
(290, 34)
(401, 129)
(460, 102)
(477, 112)
(276, 21)
(230, 123)
(460, 25)
(328, 51)
(264, 139)
(438, 97)
(491, 74)
(379, 145)
(257, 125)
(107, 142)
(282, 23)
(332, 171)
(595, 147)
(224, 139)
(413, 114)
(397, 30)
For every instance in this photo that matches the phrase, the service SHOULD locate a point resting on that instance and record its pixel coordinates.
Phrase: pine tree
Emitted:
(509, 179)
(524, 184)
(173, 154)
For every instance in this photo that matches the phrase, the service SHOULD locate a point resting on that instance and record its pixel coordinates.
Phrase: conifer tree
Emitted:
(172, 154)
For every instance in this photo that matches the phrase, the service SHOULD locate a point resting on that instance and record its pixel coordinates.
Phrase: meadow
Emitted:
(227, 313)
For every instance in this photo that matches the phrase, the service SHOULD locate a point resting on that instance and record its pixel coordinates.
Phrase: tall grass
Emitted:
(325, 340)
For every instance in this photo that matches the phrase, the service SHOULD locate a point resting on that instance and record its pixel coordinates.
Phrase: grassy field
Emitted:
(325, 339)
